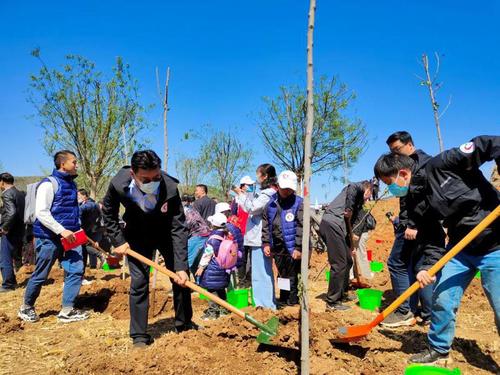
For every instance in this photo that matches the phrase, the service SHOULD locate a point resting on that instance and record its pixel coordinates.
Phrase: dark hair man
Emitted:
(90, 218)
(11, 231)
(333, 231)
(405, 250)
(57, 216)
(154, 219)
(457, 193)
(203, 204)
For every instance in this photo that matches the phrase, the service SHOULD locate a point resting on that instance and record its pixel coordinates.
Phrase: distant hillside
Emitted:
(22, 182)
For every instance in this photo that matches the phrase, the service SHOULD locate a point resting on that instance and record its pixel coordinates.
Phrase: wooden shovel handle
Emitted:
(445, 259)
(189, 284)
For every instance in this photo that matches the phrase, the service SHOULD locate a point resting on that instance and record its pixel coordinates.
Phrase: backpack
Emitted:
(30, 202)
(228, 252)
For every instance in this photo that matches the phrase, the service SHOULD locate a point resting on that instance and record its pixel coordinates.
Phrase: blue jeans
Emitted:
(8, 252)
(452, 281)
(47, 252)
(262, 279)
(401, 263)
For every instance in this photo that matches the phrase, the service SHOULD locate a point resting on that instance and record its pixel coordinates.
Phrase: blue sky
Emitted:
(225, 56)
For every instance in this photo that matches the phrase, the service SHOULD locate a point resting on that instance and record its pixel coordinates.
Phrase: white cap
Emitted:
(217, 220)
(287, 180)
(247, 180)
(221, 207)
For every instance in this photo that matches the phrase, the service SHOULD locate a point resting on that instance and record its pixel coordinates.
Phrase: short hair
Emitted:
(83, 192)
(204, 187)
(388, 165)
(61, 156)
(270, 172)
(7, 178)
(187, 198)
(366, 184)
(145, 159)
(403, 136)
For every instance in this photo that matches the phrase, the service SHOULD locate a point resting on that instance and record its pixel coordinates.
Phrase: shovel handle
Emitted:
(189, 284)
(487, 221)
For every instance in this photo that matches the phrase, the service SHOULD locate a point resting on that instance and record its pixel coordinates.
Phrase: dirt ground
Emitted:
(101, 345)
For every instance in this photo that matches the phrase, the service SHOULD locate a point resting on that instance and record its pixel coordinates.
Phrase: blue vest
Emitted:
(288, 228)
(214, 277)
(64, 208)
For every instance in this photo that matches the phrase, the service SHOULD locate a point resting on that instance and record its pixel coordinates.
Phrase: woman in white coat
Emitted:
(262, 269)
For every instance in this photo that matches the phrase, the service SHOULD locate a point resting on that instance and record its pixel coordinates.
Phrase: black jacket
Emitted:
(418, 184)
(162, 228)
(351, 197)
(205, 206)
(12, 214)
(458, 194)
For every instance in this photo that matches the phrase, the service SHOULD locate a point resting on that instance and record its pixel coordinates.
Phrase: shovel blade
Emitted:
(354, 333)
(269, 330)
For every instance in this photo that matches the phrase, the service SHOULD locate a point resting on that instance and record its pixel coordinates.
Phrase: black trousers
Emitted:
(139, 295)
(339, 256)
(288, 268)
(245, 270)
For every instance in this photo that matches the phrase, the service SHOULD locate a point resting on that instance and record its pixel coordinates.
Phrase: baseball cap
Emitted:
(247, 180)
(221, 207)
(217, 220)
(287, 180)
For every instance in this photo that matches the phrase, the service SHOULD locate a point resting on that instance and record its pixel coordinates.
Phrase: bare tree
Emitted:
(164, 100)
(81, 111)
(335, 135)
(304, 300)
(433, 87)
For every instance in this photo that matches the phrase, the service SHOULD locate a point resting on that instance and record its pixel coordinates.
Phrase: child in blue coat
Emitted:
(212, 276)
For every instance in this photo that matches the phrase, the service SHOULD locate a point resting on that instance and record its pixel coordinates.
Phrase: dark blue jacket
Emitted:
(64, 208)
(285, 228)
(90, 216)
(238, 237)
(214, 277)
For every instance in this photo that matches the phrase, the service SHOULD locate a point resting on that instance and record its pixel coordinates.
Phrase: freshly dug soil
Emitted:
(101, 344)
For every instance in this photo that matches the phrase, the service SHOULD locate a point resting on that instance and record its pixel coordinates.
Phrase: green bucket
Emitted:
(327, 276)
(202, 296)
(369, 299)
(430, 370)
(106, 267)
(376, 266)
(238, 298)
(478, 275)
(250, 293)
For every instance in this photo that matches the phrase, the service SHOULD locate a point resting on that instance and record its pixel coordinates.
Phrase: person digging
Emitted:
(457, 193)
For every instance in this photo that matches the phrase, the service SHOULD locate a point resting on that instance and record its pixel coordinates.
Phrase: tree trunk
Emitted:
(304, 300)
(435, 108)
(165, 129)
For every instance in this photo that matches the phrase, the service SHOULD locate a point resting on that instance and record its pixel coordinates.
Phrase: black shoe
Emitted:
(349, 298)
(430, 357)
(74, 315)
(28, 314)
(143, 342)
(210, 315)
(337, 306)
(188, 327)
(6, 290)
(397, 319)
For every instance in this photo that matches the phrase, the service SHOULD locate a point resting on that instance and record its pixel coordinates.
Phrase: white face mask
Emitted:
(150, 187)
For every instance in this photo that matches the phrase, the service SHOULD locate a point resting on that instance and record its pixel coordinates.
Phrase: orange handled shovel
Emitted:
(356, 333)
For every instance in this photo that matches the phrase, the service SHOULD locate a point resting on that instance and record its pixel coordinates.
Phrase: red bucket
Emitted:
(369, 254)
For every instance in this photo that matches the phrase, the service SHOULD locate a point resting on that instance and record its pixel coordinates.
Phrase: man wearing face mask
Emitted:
(405, 252)
(456, 192)
(154, 219)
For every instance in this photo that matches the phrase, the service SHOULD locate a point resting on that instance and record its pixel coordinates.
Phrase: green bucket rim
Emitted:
(376, 266)
(430, 370)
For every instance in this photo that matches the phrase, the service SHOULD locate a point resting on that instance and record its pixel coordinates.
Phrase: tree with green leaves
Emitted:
(188, 171)
(337, 139)
(223, 157)
(97, 118)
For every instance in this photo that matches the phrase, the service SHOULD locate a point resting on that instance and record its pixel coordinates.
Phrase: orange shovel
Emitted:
(356, 333)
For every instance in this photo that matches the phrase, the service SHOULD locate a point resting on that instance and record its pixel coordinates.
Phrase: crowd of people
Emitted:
(255, 237)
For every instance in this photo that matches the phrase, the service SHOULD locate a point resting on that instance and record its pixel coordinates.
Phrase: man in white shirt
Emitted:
(57, 217)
